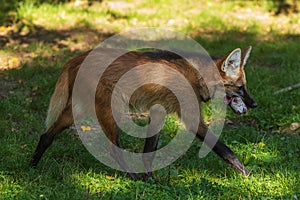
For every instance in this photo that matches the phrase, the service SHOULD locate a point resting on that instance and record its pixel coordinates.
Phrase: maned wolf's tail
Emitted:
(58, 100)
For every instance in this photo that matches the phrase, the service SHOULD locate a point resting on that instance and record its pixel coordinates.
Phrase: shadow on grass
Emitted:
(38, 34)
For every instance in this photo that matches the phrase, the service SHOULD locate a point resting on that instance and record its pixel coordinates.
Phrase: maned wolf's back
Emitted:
(146, 95)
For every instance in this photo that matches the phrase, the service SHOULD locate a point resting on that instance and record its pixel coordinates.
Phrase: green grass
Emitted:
(38, 38)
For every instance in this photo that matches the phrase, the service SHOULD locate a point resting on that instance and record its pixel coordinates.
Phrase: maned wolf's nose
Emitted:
(254, 105)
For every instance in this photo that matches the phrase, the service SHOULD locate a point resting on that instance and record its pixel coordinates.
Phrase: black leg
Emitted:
(222, 150)
(47, 138)
(45, 141)
(117, 153)
(149, 153)
(230, 158)
(157, 116)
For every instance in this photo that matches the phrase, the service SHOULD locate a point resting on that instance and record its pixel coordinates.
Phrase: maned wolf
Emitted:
(231, 71)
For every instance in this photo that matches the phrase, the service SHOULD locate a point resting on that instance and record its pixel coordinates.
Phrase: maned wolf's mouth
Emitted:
(236, 103)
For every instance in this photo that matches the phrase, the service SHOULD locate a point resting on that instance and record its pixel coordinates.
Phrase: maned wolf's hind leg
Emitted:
(63, 122)
(221, 149)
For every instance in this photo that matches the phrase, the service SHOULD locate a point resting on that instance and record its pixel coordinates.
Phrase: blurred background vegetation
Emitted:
(8, 9)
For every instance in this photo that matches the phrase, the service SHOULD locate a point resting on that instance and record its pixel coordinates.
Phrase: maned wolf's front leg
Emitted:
(157, 116)
(112, 130)
(221, 149)
(149, 153)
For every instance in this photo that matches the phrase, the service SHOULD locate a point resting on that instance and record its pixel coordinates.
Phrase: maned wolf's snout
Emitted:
(254, 104)
(241, 101)
(250, 103)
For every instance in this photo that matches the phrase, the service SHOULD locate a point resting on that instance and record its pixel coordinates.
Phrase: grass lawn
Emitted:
(36, 39)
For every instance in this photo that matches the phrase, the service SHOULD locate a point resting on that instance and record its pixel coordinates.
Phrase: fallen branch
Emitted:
(291, 87)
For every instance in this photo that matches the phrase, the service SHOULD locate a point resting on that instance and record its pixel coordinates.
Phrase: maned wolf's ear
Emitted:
(245, 54)
(232, 62)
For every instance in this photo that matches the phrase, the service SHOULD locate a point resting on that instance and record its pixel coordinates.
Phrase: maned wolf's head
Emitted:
(231, 69)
